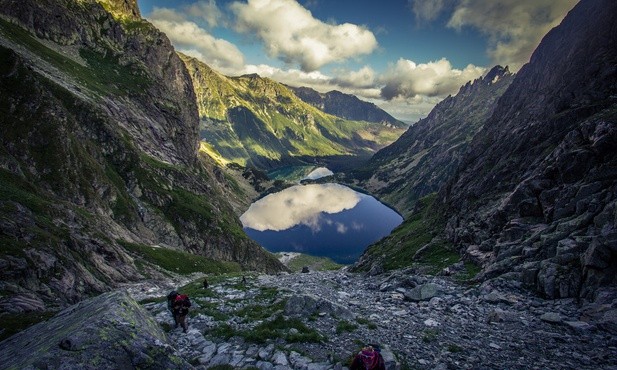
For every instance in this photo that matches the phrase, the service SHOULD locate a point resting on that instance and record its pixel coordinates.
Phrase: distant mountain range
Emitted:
(256, 121)
(346, 106)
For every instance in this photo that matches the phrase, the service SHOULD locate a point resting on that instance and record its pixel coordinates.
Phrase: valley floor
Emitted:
(420, 323)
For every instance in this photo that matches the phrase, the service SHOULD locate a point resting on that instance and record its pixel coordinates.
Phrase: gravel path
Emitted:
(420, 323)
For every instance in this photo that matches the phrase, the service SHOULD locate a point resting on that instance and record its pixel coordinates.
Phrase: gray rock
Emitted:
(552, 317)
(262, 365)
(82, 336)
(579, 326)
(280, 359)
(307, 305)
(423, 292)
(266, 352)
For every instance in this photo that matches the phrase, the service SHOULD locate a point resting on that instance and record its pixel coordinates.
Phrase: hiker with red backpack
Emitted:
(179, 305)
(369, 358)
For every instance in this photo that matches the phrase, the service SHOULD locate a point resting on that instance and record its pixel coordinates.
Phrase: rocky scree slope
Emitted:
(255, 121)
(430, 151)
(346, 106)
(98, 157)
(318, 320)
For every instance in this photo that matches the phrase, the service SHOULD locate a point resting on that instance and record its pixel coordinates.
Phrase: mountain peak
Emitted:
(496, 73)
(122, 9)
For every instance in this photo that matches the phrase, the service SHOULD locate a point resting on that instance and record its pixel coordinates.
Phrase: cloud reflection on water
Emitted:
(299, 205)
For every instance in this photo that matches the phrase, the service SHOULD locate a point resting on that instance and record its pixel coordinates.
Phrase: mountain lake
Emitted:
(328, 220)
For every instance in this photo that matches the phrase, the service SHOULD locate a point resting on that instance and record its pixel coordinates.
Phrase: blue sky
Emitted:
(403, 55)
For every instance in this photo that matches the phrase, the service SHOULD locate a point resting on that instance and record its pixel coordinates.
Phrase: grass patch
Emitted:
(313, 262)
(430, 335)
(281, 327)
(454, 348)
(224, 331)
(345, 326)
(419, 230)
(469, 273)
(178, 261)
(259, 312)
(14, 323)
(368, 323)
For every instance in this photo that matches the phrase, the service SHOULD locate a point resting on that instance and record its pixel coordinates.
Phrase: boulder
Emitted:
(111, 331)
(423, 292)
(307, 305)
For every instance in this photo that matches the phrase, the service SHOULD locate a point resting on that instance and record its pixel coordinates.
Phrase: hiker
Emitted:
(243, 280)
(206, 283)
(171, 297)
(368, 358)
(181, 309)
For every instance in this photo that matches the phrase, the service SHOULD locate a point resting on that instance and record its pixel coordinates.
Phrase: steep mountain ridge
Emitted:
(256, 121)
(346, 106)
(429, 152)
(99, 167)
(535, 194)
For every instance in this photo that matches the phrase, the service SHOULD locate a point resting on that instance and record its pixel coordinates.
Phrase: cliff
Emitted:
(101, 179)
(533, 198)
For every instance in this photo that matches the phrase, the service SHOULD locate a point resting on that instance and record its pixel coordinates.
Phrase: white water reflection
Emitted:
(300, 205)
(318, 173)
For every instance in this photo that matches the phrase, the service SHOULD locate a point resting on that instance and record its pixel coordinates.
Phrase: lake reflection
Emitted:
(319, 219)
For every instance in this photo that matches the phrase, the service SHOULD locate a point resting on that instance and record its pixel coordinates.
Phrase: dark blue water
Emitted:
(327, 220)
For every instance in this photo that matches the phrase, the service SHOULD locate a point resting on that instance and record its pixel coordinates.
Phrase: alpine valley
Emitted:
(125, 166)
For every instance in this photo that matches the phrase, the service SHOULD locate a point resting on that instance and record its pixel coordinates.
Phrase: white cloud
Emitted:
(341, 228)
(299, 205)
(318, 173)
(363, 78)
(190, 38)
(427, 10)
(291, 33)
(514, 27)
(407, 79)
(207, 11)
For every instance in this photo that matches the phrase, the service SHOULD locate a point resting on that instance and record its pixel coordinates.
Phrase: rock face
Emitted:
(111, 331)
(430, 151)
(98, 153)
(345, 106)
(255, 121)
(536, 194)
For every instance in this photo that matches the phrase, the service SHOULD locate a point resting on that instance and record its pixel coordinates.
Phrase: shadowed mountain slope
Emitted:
(101, 182)
(534, 197)
(346, 106)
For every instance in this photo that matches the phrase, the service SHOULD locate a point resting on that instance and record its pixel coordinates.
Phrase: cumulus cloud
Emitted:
(514, 27)
(291, 33)
(318, 173)
(365, 77)
(207, 11)
(299, 205)
(427, 10)
(189, 38)
(407, 79)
